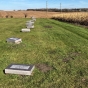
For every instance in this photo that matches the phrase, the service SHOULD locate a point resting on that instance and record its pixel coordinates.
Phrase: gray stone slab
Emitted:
(28, 26)
(14, 40)
(25, 30)
(30, 22)
(33, 18)
(20, 69)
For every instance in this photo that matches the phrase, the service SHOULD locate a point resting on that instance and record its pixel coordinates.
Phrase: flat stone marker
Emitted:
(14, 40)
(30, 26)
(31, 21)
(19, 69)
(33, 18)
(25, 30)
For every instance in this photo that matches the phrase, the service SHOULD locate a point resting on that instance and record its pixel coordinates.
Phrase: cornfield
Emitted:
(73, 17)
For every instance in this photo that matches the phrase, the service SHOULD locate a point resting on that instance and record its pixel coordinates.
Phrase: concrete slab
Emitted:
(20, 69)
(25, 30)
(14, 40)
(30, 26)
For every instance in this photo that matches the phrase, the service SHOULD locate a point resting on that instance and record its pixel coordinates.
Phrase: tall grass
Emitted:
(56, 45)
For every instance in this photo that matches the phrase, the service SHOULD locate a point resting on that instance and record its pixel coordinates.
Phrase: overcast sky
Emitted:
(32, 4)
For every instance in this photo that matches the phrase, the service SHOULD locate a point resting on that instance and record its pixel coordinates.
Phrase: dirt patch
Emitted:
(66, 60)
(43, 67)
(71, 56)
(48, 26)
(84, 80)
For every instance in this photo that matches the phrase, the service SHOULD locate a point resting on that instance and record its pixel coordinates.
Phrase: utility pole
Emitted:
(60, 8)
(46, 9)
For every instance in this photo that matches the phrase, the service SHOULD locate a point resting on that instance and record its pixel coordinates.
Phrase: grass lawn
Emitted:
(58, 50)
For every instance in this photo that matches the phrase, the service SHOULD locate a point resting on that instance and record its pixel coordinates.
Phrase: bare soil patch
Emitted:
(48, 26)
(71, 56)
(43, 67)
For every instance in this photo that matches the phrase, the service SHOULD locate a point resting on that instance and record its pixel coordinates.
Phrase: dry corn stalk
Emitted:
(73, 17)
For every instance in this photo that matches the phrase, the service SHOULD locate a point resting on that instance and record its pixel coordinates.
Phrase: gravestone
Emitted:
(14, 40)
(33, 18)
(25, 30)
(20, 69)
(30, 26)
(31, 21)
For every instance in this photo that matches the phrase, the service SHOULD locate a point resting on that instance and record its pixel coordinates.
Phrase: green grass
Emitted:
(61, 46)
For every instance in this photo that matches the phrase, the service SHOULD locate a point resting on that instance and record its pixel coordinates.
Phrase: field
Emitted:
(73, 17)
(58, 50)
(21, 14)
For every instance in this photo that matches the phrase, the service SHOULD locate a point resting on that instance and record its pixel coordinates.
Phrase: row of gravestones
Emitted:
(29, 25)
(21, 69)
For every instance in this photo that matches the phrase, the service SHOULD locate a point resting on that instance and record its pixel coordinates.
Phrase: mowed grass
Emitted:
(58, 50)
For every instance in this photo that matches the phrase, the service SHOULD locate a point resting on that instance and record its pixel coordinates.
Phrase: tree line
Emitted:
(61, 10)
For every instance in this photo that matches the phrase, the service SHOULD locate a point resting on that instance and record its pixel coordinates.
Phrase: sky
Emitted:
(35, 4)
